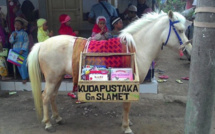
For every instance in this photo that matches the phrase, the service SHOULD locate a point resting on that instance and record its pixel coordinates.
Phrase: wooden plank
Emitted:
(136, 69)
(109, 82)
(80, 66)
(104, 92)
(65, 10)
(108, 54)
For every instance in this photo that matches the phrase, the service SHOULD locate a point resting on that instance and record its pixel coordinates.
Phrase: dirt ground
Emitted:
(152, 114)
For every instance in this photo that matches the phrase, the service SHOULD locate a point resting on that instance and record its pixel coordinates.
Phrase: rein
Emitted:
(171, 25)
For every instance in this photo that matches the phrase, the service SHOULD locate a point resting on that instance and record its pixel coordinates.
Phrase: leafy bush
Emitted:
(174, 5)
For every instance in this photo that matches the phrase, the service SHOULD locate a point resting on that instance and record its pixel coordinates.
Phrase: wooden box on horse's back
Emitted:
(109, 90)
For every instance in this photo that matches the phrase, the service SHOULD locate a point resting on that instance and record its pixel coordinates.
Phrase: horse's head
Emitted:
(176, 38)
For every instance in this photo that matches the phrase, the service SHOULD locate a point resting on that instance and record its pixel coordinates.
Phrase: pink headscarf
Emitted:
(64, 18)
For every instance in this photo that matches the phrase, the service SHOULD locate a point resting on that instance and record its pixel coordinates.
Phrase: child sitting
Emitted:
(100, 31)
(20, 42)
(43, 32)
(65, 28)
(117, 25)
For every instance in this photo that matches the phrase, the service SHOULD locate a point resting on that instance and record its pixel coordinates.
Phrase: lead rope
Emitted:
(87, 45)
(127, 50)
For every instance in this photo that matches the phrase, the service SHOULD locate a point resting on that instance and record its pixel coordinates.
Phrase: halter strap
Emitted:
(171, 25)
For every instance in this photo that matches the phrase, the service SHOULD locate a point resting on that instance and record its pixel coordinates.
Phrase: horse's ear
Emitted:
(170, 14)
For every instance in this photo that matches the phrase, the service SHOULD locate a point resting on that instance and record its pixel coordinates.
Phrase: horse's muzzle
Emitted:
(186, 54)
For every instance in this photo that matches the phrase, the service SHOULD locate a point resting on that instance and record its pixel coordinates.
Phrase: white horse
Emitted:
(53, 58)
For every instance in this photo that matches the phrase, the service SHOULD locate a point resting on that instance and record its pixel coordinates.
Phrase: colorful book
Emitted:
(15, 58)
(121, 74)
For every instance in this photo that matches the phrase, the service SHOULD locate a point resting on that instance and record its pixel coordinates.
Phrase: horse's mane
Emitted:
(126, 34)
(142, 22)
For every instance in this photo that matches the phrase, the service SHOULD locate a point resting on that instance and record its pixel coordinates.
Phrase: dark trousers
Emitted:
(149, 75)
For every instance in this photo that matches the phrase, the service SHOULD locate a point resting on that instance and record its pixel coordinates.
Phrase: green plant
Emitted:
(174, 5)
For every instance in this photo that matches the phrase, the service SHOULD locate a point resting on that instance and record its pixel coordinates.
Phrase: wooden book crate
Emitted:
(108, 91)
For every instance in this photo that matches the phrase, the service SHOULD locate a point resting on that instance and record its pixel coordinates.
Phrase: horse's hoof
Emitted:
(129, 133)
(127, 130)
(50, 129)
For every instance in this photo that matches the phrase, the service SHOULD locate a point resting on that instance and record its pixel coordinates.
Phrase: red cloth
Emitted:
(108, 46)
(12, 16)
(189, 4)
(66, 30)
(105, 46)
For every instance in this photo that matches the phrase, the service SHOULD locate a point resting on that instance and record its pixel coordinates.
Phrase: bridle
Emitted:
(171, 26)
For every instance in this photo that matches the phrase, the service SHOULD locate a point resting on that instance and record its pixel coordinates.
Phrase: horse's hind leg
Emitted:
(55, 114)
(47, 94)
(125, 120)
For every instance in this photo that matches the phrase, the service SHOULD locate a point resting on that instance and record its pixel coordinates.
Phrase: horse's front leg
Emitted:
(125, 119)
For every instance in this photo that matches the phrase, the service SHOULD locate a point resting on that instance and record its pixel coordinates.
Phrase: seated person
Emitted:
(100, 31)
(117, 25)
(65, 28)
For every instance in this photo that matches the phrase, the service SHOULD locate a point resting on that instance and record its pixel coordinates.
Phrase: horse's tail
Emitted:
(35, 78)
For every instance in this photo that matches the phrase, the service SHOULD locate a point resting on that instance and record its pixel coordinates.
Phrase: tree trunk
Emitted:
(201, 93)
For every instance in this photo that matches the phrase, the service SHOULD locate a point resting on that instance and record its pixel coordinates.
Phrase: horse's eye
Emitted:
(180, 31)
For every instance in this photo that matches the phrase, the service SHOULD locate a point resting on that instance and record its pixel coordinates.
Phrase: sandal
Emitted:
(161, 81)
(72, 95)
(179, 81)
(163, 77)
(24, 81)
(78, 102)
(185, 78)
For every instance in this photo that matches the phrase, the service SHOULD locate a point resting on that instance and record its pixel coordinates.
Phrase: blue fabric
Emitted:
(21, 42)
(98, 10)
(23, 70)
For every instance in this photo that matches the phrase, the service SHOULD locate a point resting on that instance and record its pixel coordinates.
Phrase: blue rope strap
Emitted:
(171, 25)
